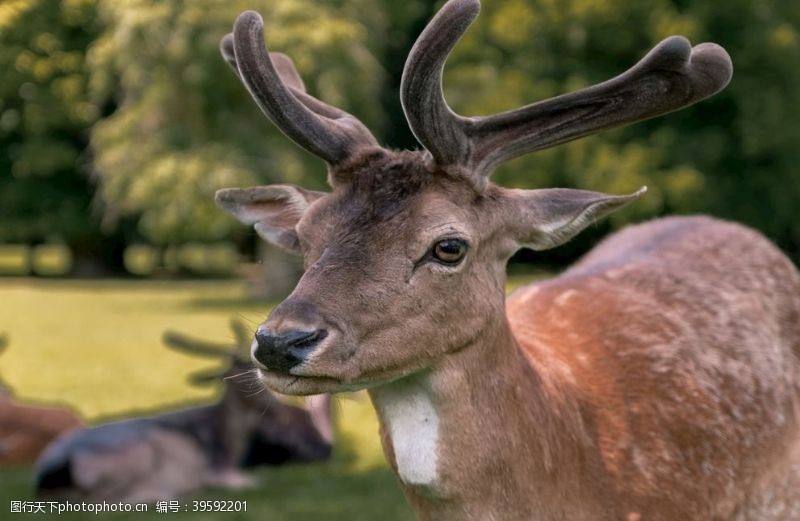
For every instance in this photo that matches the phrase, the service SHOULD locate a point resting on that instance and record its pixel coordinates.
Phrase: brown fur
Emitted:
(25, 430)
(676, 344)
(645, 393)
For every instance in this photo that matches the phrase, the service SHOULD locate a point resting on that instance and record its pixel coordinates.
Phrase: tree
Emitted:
(45, 112)
(185, 126)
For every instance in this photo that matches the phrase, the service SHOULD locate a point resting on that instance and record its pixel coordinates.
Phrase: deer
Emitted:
(178, 453)
(26, 428)
(654, 379)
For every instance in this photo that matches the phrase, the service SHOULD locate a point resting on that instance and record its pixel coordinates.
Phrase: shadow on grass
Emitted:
(296, 493)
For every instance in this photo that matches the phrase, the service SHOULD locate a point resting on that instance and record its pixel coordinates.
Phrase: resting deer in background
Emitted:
(656, 379)
(177, 453)
(26, 429)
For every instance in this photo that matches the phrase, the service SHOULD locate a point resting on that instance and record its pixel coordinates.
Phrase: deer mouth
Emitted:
(304, 385)
(299, 384)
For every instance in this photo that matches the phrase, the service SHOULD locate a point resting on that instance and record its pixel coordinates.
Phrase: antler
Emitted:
(240, 349)
(272, 80)
(242, 334)
(192, 346)
(671, 76)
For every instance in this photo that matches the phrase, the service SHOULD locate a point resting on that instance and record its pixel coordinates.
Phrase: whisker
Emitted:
(246, 319)
(256, 393)
(231, 377)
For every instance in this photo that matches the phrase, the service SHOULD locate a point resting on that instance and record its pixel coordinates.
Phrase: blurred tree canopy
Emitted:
(45, 117)
(143, 82)
(185, 126)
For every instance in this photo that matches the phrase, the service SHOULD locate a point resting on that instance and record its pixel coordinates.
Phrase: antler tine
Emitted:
(671, 76)
(324, 131)
(434, 124)
(243, 336)
(283, 65)
(289, 76)
(192, 346)
(287, 72)
(226, 49)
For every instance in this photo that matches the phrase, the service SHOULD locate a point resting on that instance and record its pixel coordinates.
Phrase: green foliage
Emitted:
(185, 126)
(44, 116)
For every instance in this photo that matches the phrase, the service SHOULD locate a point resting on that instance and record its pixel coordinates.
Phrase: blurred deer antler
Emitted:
(193, 346)
(185, 344)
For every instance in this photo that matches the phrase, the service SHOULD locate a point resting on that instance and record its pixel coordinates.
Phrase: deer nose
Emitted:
(279, 352)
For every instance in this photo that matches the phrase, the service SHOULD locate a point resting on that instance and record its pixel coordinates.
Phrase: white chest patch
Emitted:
(413, 427)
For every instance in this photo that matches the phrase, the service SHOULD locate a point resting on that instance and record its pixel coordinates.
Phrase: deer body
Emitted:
(173, 454)
(657, 379)
(688, 412)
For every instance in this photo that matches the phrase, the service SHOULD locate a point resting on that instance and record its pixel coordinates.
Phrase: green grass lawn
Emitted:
(96, 346)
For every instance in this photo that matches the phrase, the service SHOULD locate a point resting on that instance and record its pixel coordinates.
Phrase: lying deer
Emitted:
(26, 429)
(167, 456)
(656, 379)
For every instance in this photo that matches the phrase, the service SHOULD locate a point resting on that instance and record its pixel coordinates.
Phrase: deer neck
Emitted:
(477, 427)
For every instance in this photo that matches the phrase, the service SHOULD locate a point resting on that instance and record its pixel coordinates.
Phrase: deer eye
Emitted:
(449, 251)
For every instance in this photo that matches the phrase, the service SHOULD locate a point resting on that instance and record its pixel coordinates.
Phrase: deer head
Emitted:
(405, 257)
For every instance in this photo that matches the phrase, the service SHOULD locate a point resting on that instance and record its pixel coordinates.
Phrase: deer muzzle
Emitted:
(281, 351)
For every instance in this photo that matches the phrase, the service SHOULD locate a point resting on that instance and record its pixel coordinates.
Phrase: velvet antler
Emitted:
(672, 75)
(272, 80)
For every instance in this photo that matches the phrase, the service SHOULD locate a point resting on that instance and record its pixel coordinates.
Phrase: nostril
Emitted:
(282, 351)
(301, 339)
(302, 343)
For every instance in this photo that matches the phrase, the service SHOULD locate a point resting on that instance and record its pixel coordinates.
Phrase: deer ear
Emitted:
(273, 210)
(548, 218)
